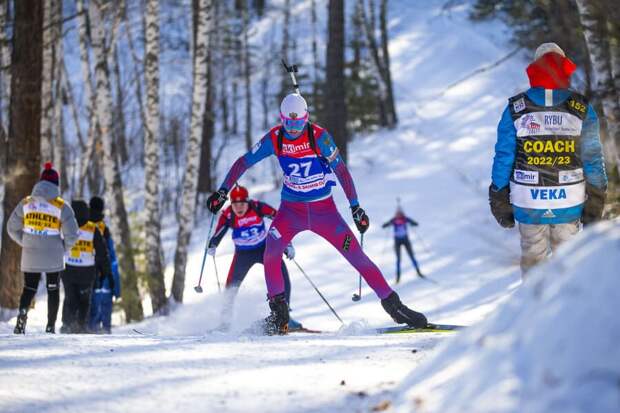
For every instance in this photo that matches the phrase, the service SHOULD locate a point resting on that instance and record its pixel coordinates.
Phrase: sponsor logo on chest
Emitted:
(246, 221)
(548, 194)
(548, 123)
(526, 177)
(301, 149)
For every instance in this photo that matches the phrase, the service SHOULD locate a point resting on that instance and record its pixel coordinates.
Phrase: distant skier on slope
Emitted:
(309, 158)
(245, 217)
(548, 159)
(401, 239)
(44, 225)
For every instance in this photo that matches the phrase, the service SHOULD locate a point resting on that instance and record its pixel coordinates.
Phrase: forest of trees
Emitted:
(138, 100)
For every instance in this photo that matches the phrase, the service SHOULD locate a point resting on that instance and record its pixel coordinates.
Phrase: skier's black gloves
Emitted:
(216, 200)
(499, 199)
(593, 208)
(362, 222)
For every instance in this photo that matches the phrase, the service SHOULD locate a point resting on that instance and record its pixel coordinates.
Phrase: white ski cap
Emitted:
(294, 106)
(545, 48)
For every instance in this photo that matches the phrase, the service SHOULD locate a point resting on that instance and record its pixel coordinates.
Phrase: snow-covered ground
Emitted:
(438, 163)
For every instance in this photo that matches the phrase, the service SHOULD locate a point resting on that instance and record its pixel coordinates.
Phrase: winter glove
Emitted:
(499, 199)
(593, 208)
(289, 252)
(216, 200)
(362, 222)
(211, 251)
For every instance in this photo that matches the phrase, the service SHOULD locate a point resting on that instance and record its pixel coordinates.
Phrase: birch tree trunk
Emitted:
(190, 178)
(5, 63)
(247, 76)
(47, 106)
(114, 187)
(58, 102)
(335, 102)
(598, 51)
(154, 268)
(5, 88)
(24, 148)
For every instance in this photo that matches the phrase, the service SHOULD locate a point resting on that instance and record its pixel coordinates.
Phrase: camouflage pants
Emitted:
(538, 241)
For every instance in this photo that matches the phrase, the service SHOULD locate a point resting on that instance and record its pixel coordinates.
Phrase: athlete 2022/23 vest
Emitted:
(82, 253)
(42, 217)
(548, 170)
(306, 173)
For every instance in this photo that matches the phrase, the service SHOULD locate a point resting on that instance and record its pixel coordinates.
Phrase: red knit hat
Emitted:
(49, 174)
(239, 194)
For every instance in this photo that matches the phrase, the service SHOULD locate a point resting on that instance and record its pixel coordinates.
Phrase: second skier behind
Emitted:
(245, 217)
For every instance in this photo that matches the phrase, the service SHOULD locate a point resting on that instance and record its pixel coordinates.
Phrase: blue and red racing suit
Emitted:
(309, 163)
(248, 234)
(401, 239)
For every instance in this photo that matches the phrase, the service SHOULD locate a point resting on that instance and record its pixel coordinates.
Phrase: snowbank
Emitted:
(554, 347)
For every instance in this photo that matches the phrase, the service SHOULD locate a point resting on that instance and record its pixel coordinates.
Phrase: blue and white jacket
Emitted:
(590, 152)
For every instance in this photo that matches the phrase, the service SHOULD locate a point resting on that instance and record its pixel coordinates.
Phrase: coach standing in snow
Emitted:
(44, 226)
(548, 172)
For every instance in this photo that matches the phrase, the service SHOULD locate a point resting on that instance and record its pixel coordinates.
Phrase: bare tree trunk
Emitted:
(111, 171)
(154, 267)
(205, 178)
(58, 102)
(5, 89)
(49, 40)
(5, 63)
(387, 74)
(190, 178)
(335, 102)
(315, 55)
(89, 101)
(598, 50)
(247, 76)
(24, 148)
(120, 134)
(377, 66)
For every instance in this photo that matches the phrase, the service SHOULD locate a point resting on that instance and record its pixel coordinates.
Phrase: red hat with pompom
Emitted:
(49, 174)
(239, 194)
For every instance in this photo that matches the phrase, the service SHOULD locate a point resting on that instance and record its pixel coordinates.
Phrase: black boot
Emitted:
(22, 318)
(277, 321)
(50, 329)
(401, 314)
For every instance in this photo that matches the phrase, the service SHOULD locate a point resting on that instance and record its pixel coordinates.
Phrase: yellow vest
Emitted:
(42, 217)
(83, 252)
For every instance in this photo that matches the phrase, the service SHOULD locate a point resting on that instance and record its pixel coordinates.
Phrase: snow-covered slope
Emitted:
(437, 161)
(552, 348)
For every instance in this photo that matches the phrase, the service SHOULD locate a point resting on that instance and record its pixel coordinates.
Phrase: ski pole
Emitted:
(292, 69)
(198, 288)
(217, 277)
(318, 292)
(358, 296)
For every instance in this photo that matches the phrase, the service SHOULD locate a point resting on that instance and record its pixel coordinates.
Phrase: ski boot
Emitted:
(50, 329)
(401, 314)
(22, 318)
(277, 321)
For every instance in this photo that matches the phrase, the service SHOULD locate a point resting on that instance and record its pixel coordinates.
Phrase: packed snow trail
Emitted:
(437, 161)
